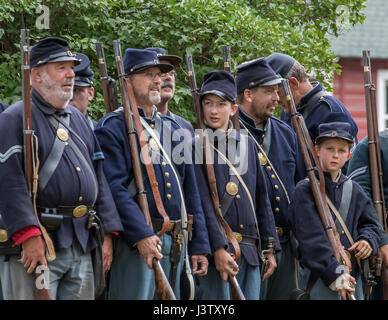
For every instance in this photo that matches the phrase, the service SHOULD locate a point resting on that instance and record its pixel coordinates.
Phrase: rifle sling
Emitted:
(237, 175)
(269, 162)
(183, 207)
(77, 151)
(227, 198)
(308, 107)
(54, 156)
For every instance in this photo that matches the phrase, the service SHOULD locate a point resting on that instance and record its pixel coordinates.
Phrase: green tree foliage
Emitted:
(252, 28)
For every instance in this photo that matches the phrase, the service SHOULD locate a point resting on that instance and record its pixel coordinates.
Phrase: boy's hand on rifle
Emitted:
(200, 264)
(148, 248)
(271, 265)
(362, 248)
(225, 263)
(33, 253)
(344, 285)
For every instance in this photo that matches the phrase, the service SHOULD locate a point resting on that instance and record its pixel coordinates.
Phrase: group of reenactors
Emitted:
(87, 171)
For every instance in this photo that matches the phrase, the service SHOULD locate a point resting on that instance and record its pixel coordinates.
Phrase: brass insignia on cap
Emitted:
(334, 134)
(40, 61)
(62, 134)
(231, 188)
(251, 84)
(262, 159)
(153, 144)
(156, 61)
(69, 53)
(3, 235)
(80, 211)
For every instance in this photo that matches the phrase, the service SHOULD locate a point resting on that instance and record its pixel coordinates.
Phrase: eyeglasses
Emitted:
(150, 75)
(171, 73)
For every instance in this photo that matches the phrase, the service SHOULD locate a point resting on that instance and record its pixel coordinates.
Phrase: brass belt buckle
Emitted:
(279, 231)
(80, 211)
(238, 236)
(3, 235)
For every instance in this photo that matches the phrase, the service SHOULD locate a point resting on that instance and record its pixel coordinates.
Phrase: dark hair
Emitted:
(297, 71)
(240, 96)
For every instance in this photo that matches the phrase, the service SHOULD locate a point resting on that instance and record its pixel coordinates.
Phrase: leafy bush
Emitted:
(252, 28)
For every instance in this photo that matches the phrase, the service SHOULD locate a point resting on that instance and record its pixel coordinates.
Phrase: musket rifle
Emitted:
(227, 63)
(235, 289)
(318, 187)
(163, 287)
(31, 160)
(375, 163)
(108, 84)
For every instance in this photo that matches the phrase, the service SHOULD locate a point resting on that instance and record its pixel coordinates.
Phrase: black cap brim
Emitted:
(175, 60)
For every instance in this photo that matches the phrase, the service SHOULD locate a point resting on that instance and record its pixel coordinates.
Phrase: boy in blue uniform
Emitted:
(257, 86)
(333, 146)
(359, 171)
(130, 277)
(245, 207)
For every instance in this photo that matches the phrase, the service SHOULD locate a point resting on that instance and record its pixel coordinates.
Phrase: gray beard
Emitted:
(49, 88)
(155, 99)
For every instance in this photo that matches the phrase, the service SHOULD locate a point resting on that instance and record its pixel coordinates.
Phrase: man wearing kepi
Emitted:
(71, 184)
(83, 91)
(243, 197)
(310, 98)
(168, 87)
(257, 86)
(131, 275)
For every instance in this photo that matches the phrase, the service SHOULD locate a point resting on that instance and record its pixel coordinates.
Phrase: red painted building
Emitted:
(349, 86)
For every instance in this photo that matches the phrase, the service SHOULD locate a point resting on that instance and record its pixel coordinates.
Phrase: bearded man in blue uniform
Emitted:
(71, 184)
(257, 87)
(131, 276)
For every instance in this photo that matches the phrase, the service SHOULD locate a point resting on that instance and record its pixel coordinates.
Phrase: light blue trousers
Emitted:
(212, 287)
(70, 276)
(322, 292)
(281, 283)
(130, 277)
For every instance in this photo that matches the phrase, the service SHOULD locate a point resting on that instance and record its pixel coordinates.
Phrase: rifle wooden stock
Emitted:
(163, 288)
(30, 153)
(211, 178)
(318, 187)
(227, 62)
(375, 163)
(109, 89)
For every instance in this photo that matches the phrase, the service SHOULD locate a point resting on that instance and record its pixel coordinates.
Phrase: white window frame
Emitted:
(382, 99)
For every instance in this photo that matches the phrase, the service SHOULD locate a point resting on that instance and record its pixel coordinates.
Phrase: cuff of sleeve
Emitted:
(114, 234)
(332, 272)
(23, 234)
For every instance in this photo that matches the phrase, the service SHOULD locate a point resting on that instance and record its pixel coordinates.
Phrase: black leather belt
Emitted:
(67, 211)
(157, 223)
(245, 239)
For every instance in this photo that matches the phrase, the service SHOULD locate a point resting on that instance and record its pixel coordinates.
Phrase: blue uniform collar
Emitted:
(250, 123)
(46, 107)
(316, 88)
(149, 120)
(231, 134)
